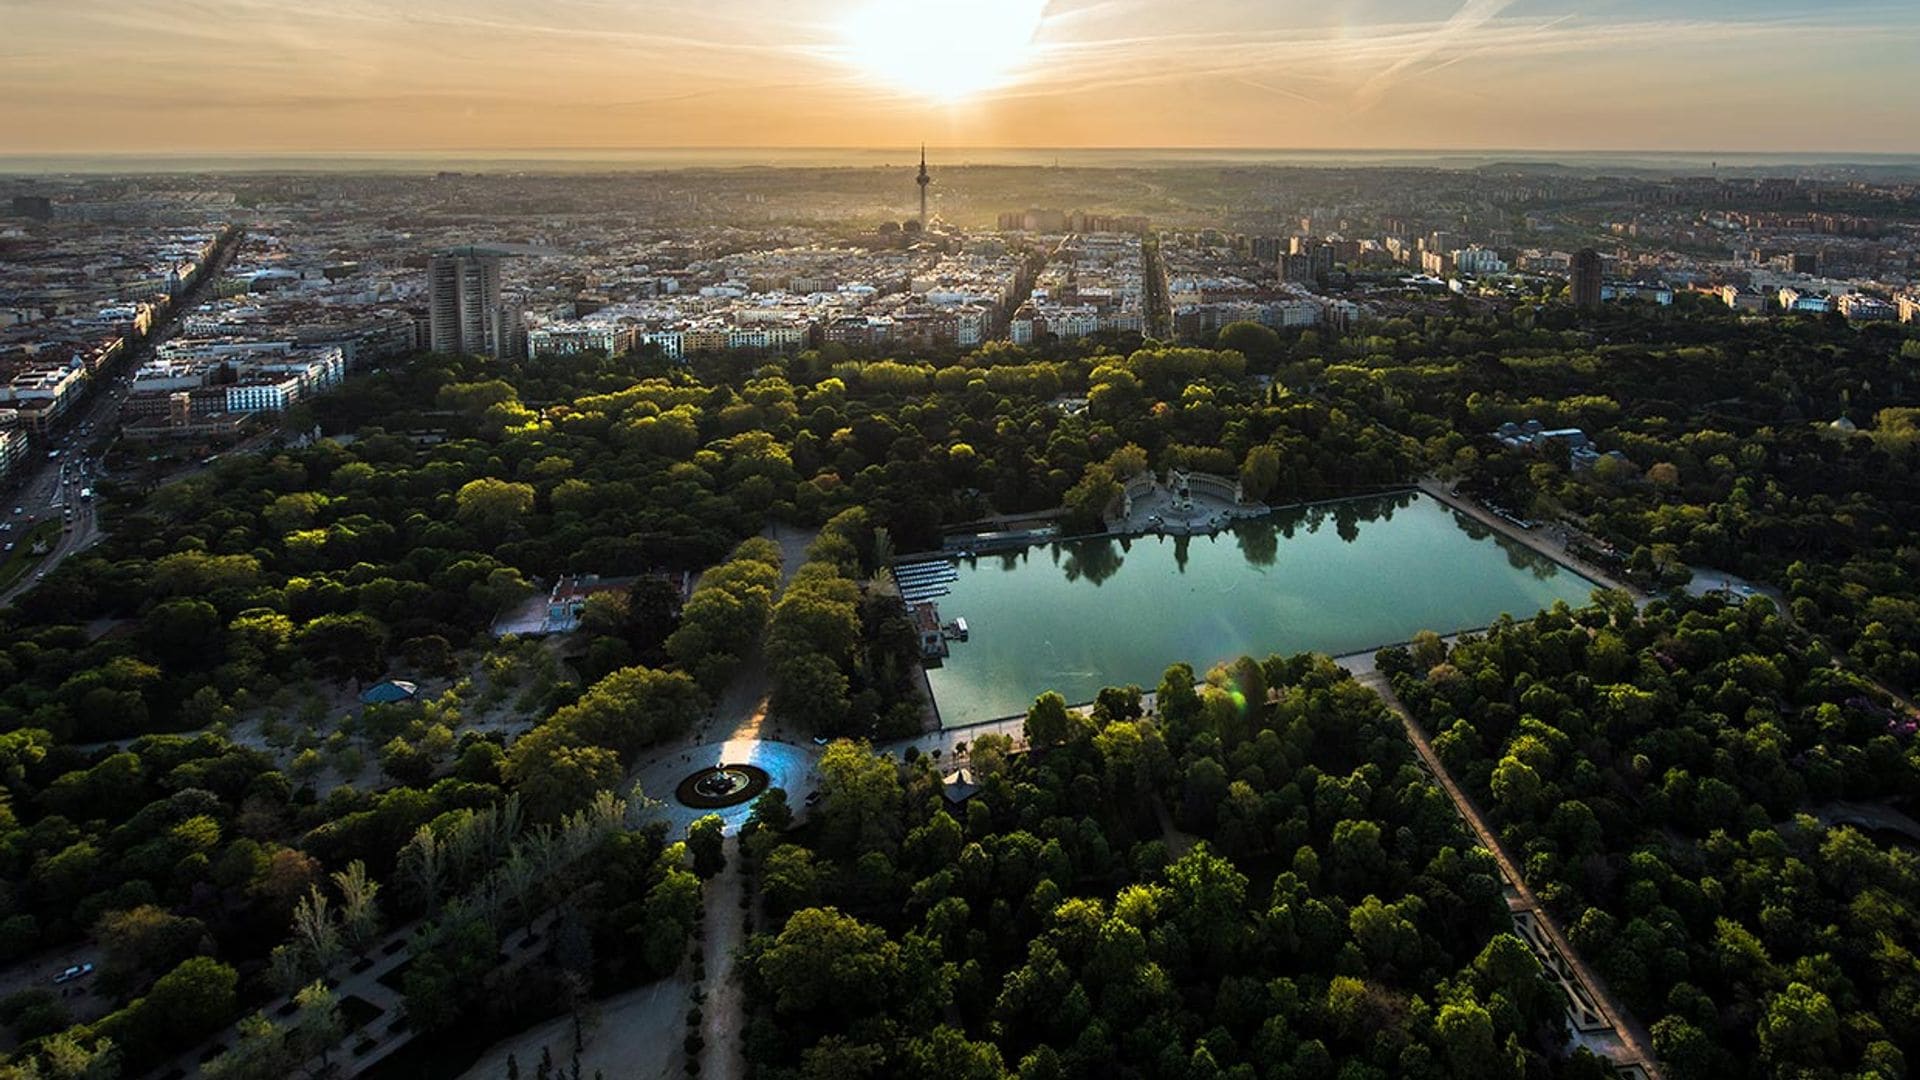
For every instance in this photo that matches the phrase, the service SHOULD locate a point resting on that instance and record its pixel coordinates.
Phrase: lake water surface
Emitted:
(1336, 578)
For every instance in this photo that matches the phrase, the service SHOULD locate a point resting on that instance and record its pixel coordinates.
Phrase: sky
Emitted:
(280, 76)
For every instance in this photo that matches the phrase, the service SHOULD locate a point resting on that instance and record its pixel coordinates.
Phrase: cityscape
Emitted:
(633, 541)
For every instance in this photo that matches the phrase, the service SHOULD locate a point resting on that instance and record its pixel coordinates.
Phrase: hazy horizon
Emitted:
(575, 159)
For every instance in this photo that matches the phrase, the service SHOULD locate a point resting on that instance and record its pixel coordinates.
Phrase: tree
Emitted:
(189, 1002)
(862, 796)
(629, 710)
(183, 632)
(1260, 472)
(1800, 1026)
(653, 614)
(1466, 1035)
(771, 812)
(349, 646)
(706, 840)
(145, 939)
(811, 690)
(671, 908)
(1507, 967)
(789, 878)
(1049, 722)
(422, 865)
(316, 930)
(359, 913)
(260, 1053)
(1087, 500)
(1250, 339)
(827, 962)
(555, 774)
(605, 613)
(1429, 651)
(1209, 903)
(68, 1058)
(492, 506)
(1517, 787)
(947, 1054)
(1178, 704)
(444, 977)
(318, 1025)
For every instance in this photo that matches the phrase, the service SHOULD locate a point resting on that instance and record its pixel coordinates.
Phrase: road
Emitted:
(52, 493)
(53, 486)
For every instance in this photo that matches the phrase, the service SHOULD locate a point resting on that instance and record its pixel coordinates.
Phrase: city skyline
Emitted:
(258, 76)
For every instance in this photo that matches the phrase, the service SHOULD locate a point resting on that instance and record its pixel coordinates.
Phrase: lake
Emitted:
(1341, 577)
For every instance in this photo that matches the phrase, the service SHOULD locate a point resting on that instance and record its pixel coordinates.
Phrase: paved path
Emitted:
(364, 985)
(367, 986)
(1867, 816)
(949, 740)
(1612, 1033)
(1548, 541)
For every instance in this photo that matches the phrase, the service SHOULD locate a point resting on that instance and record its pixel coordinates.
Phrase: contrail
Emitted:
(1472, 16)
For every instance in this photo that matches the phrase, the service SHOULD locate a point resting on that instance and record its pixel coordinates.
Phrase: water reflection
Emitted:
(1258, 539)
(1232, 593)
(1094, 560)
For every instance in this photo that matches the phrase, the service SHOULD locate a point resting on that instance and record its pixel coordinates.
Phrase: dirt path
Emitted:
(1178, 843)
(1628, 1044)
(635, 1036)
(726, 1000)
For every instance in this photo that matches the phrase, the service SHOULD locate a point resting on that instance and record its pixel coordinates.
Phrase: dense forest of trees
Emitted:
(1675, 779)
(188, 782)
(1311, 908)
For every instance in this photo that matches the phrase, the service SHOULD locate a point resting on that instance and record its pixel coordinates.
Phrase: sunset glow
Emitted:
(945, 50)
(274, 75)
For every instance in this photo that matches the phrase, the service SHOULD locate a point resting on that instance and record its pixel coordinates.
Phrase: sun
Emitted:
(945, 50)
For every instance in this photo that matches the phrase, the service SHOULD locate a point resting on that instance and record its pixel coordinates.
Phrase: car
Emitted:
(9, 545)
(820, 740)
(77, 971)
(18, 510)
(813, 798)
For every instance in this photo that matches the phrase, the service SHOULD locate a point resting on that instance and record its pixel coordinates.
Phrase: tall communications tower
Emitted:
(923, 180)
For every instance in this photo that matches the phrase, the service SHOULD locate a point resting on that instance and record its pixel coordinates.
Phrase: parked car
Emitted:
(78, 971)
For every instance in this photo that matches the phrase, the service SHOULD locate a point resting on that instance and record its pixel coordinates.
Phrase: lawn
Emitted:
(21, 559)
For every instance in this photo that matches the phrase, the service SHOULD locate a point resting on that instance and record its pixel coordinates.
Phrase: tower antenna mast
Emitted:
(923, 180)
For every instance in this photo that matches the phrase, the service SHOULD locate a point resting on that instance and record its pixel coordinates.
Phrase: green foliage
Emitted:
(1685, 747)
(1654, 774)
(1066, 940)
(704, 842)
